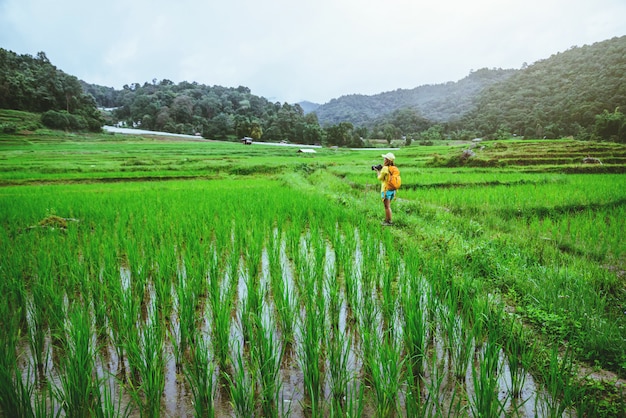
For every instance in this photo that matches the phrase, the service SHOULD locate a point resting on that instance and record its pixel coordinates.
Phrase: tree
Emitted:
(610, 126)
(339, 135)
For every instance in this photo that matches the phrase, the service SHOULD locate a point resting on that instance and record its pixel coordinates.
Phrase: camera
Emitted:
(377, 167)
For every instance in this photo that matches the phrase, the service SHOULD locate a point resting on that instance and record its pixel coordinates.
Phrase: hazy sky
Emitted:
(288, 50)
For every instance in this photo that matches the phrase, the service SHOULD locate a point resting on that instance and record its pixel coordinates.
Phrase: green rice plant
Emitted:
(113, 282)
(199, 373)
(242, 389)
(355, 401)
(282, 288)
(267, 357)
(339, 373)
(164, 276)
(16, 391)
(186, 308)
(310, 350)
(349, 261)
(462, 353)
(415, 330)
(386, 367)
(388, 274)
(220, 298)
(434, 401)
(36, 337)
(367, 321)
(152, 365)
(221, 308)
(414, 404)
(130, 336)
(561, 390)
(287, 315)
(44, 402)
(252, 303)
(484, 399)
(520, 354)
(79, 395)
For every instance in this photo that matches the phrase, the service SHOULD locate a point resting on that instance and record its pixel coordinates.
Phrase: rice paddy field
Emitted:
(147, 276)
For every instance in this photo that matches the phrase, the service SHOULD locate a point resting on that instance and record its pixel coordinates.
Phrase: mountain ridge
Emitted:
(437, 102)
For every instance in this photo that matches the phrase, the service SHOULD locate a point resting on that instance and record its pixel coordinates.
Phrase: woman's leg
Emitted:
(387, 204)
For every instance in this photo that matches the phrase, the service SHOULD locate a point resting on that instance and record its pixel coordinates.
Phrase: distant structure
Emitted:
(246, 140)
(591, 160)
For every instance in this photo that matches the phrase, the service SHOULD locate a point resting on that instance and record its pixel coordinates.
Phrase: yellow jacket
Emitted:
(383, 176)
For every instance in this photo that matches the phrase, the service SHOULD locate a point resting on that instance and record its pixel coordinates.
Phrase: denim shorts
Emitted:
(389, 194)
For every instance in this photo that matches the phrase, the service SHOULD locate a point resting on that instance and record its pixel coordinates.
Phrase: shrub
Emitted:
(8, 128)
(55, 120)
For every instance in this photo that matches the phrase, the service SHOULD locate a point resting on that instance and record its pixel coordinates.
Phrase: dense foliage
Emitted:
(214, 111)
(577, 92)
(33, 84)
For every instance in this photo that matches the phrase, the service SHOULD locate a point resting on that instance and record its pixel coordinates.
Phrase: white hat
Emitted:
(389, 156)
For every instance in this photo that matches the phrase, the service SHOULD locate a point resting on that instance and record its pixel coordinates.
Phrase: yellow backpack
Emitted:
(394, 181)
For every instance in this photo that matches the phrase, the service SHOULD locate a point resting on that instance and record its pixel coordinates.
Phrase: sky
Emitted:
(292, 51)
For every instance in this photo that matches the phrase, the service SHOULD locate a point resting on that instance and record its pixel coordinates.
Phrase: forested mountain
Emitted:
(33, 84)
(559, 96)
(437, 102)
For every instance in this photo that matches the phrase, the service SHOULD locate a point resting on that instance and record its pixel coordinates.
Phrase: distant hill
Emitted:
(559, 96)
(308, 107)
(438, 102)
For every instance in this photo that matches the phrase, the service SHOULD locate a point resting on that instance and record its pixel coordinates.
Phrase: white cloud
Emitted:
(291, 51)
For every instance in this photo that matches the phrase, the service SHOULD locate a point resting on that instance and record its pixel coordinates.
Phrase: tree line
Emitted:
(213, 111)
(33, 84)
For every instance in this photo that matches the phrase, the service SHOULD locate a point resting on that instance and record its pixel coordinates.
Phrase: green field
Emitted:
(148, 276)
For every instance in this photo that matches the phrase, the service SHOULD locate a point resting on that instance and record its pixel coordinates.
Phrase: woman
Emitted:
(385, 193)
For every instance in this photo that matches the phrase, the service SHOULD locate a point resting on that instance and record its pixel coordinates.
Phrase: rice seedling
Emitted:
(152, 366)
(339, 373)
(79, 395)
(16, 391)
(36, 337)
(310, 357)
(386, 366)
(520, 354)
(484, 400)
(220, 298)
(242, 389)
(267, 355)
(414, 300)
(560, 392)
(186, 314)
(130, 337)
(200, 372)
(355, 400)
